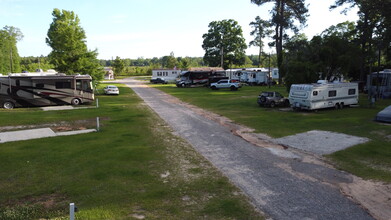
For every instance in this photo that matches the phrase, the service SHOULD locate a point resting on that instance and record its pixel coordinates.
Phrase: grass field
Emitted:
(371, 160)
(132, 168)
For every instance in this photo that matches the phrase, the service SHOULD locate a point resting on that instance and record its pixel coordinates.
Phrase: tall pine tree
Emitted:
(68, 41)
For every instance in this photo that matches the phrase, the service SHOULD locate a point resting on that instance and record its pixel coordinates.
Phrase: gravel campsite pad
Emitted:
(321, 142)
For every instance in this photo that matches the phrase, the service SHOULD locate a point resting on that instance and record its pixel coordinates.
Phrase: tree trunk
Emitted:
(279, 37)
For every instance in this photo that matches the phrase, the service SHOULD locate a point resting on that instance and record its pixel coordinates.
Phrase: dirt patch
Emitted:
(374, 196)
(51, 201)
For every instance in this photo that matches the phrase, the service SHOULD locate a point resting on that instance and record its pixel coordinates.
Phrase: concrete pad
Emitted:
(26, 134)
(64, 107)
(66, 133)
(37, 133)
(321, 142)
(55, 108)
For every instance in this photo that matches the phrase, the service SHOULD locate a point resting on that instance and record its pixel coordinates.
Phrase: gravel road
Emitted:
(283, 188)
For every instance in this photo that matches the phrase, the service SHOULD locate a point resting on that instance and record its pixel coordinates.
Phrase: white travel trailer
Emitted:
(41, 89)
(169, 75)
(323, 95)
(257, 78)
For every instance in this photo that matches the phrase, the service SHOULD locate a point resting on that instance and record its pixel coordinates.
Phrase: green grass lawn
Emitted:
(371, 160)
(132, 167)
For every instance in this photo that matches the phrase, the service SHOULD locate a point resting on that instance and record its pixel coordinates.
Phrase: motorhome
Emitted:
(199, 78)
(323, 95)
(42, 89)
(380, 84)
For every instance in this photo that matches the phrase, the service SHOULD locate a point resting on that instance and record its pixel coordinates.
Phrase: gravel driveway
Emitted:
(282, 187)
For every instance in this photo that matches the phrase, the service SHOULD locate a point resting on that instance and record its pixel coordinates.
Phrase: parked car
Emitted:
(225, 83)
(158, 80)
(272, 99)
(111, 90)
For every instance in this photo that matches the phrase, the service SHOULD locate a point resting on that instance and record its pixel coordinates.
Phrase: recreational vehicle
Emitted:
(200, 78)
(323, 95)
(257, 78)
(33, 89)
(169, 75)
(380, 84)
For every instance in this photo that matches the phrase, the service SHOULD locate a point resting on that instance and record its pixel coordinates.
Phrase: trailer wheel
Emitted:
(336, 106)
(8, 105)
(341, 105)
(75, 101)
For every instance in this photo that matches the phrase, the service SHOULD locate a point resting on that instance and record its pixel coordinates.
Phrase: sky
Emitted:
(149, 28)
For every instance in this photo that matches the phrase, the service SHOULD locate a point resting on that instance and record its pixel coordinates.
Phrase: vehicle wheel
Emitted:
(263, 99)
(272, 105)
(341, 106)
(8, 105)
(75, 102)
(183, 85)
(214, 88)
(286, 103)
(233, 88)
(336, 106)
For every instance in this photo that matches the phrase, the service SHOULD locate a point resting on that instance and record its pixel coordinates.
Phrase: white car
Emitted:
(111, 90)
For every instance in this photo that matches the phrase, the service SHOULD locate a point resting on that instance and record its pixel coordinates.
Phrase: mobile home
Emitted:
(323, 95)
(42, 89)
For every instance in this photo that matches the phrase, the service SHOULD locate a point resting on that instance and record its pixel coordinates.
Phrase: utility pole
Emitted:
(268, 80)
(222, 56)
(11, 58)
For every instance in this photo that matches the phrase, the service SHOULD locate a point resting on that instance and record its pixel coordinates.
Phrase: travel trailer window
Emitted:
(352, 91)
(375, 79)
(315, 93)
(332, 93)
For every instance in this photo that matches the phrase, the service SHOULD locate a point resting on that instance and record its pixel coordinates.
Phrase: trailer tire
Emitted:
(341, 105)
(336, 106)
(8, 105)
(75, 101)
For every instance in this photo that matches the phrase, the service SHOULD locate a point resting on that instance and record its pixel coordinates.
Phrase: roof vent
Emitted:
(322, 82)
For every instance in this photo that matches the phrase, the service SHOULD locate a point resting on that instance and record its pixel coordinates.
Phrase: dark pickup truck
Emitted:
(158, 80)
(272, 99)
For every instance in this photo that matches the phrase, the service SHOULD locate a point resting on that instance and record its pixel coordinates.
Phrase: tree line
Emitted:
(349, 49)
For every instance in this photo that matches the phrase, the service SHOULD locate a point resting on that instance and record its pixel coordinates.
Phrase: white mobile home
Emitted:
(169, 75)
(323, 95)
